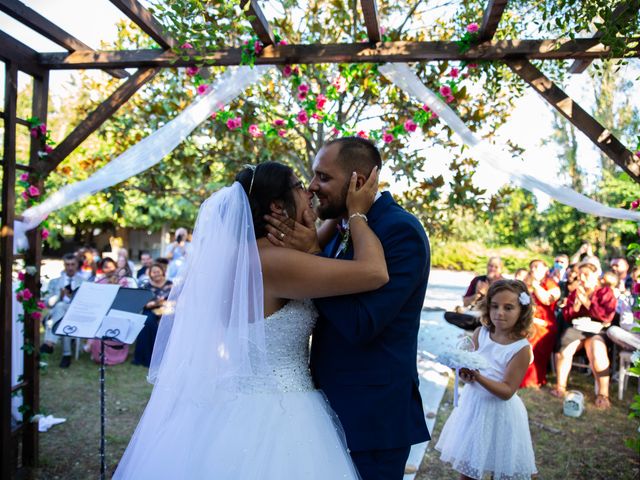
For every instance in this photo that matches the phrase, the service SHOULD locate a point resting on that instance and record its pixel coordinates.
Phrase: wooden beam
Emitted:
(337, 53)
(491, 19)
(371, 20)
(146, 21)
(96, 118)
(259, 22)
(623, 12)
(6, 266)
(25, 58)
(599, 135)
(47, 29)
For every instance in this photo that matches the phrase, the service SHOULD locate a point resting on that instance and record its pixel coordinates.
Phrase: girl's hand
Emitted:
(360, 200)
(467, 375)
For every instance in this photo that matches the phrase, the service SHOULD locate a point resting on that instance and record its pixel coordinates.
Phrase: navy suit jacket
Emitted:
(364, 347)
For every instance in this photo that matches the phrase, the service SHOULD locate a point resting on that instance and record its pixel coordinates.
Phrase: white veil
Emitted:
(212, 345)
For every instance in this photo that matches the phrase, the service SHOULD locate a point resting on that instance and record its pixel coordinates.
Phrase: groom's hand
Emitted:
(286, 232)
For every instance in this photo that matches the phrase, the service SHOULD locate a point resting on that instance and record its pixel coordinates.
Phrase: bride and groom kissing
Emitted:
(238, 394)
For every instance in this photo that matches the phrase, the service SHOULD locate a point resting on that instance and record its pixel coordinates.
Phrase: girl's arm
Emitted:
(516, 369)
(296, 275)
(546, 297)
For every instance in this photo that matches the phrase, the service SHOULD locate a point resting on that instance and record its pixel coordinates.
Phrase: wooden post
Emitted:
(6, 263)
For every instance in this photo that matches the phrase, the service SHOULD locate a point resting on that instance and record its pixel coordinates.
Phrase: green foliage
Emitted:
(513, 216)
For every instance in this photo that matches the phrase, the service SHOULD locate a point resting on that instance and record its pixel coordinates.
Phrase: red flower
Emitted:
(304, 88)
(635, 204)
(454, 72)
(48, 149)
(191, 71)
(36, 316)
(26, 294)
(472, 66)
(426, 108)
(362, 134)
(335, 131)
(445, 90)
(287, 71)
(21, 276)
(321, 100)
(41, 305)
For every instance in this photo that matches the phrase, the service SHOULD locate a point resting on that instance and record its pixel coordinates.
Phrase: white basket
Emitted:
(573, 404)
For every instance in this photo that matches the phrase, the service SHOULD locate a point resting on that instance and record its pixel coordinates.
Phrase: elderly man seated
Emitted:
(59, 294)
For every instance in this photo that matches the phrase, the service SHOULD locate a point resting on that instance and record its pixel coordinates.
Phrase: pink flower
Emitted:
(34, 132)
(214, 115)
(450, 99)
(19, 297)
(33, 191)
(25, 195)
(362, 134)
(302, 96)
(296, 71)
(638, 154)
(234, 123)
(44, 234)
(21, 276)
(24, 177)
(315, 116)
(410, 126)
(434, 115)
(257, 47)
(282, 133)
(454, 72)
(43, 128)
(471, 66)
(382, 30)
(636, 314)
(26, 294)
(472, 27)
(41, 305)
(340, 83)
(278, 122)
(191, 71)
(255, 131)
(287, 71)
(304, 88)
(635, 204)
(302, 117)
(186, 45)
(48, 149)
(387, 137)
(202, 89)
(335, 131)
(445, 90)
(426, 108)
(321, 100)
(37, 316)
(282, 42)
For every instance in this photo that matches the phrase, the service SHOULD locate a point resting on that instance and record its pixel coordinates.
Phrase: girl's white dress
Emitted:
(485, 434)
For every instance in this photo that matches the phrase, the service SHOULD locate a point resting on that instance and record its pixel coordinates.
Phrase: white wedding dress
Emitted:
(269, 430)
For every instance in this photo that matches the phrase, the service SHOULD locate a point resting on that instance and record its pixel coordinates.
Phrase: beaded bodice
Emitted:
(287, 334)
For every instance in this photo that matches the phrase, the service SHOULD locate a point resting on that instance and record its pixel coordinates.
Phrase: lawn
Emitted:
(590, 447)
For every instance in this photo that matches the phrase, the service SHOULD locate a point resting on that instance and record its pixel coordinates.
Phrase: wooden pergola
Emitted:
(16, 56)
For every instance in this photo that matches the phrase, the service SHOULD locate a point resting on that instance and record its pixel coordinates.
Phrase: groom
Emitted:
(364, 347)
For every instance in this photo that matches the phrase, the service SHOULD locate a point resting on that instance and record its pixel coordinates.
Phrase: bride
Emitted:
(233, 396)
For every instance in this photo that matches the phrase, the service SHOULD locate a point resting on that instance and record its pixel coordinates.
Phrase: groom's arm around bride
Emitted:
(364, 346)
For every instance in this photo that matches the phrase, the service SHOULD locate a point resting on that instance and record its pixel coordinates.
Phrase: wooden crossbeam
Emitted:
(97, 118)
(146, 21)
(623, 11)
(47, 29)
(599, 135)
(491, 19)
(25, 58)
(338, 53)
(259, 22)
(371, 20)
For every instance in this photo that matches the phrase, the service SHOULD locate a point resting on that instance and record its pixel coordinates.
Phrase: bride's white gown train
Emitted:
(269, 430)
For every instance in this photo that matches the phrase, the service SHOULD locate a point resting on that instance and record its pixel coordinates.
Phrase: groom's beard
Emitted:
(333, 209)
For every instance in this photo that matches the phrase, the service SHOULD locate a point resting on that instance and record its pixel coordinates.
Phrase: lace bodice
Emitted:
(287, 334)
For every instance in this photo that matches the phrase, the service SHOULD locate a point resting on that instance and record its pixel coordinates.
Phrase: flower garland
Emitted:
(313, 103)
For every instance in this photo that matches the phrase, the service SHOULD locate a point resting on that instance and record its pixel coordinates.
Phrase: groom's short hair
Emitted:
(357, 154)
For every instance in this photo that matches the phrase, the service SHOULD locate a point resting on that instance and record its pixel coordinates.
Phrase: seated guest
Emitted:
(545, 292)
(125, 276)
(177, 252)
(585, 255)
(59, 294)
(597, 302)
(88, 267)
(480, 284)
(622, 335)
(620, 267)
(160, 286)
(559, 271)
(521, 274)
(146, 261)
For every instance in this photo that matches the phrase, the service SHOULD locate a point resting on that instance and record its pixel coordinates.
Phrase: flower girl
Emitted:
(489, 431)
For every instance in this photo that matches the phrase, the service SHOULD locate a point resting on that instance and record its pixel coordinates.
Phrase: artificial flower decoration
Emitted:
(524, 299)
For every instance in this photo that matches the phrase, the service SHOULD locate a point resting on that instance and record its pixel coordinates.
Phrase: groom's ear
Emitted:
(360, 181)
(277, 206)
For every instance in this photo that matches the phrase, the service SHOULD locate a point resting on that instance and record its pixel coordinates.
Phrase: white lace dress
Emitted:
(271, 432)
(485, 434)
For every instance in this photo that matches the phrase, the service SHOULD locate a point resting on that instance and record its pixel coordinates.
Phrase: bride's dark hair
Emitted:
(263, 184)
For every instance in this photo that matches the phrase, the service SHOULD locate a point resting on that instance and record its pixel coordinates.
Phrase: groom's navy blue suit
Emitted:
(364, 347)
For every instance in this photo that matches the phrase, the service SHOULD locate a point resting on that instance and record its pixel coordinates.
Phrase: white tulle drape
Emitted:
(495, 155)
(147, 152)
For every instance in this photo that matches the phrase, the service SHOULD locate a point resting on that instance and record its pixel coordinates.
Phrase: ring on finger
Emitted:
(281, 236)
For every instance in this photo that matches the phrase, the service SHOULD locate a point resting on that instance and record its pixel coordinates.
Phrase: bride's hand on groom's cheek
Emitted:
(286, 232)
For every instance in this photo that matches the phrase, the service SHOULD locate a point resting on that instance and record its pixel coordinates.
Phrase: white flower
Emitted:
(524, 299)
(31, 269)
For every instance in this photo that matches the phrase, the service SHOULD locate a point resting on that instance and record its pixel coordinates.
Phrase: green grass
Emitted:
(589, 447)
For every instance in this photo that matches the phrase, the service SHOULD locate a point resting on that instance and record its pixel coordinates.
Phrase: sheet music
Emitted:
(87, 310)
(123, 326)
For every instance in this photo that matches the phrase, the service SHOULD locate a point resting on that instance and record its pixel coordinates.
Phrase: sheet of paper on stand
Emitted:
(87, 310)
(121, 325)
